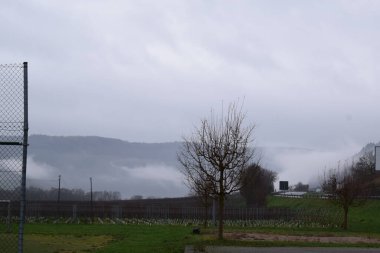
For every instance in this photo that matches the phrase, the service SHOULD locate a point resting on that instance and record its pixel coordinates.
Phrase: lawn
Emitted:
(107, 238)
(139, 238)
(362, 219)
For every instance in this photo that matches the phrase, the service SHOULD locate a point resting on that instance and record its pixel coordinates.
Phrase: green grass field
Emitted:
(362, 219)
(139, 238)
(107, 238)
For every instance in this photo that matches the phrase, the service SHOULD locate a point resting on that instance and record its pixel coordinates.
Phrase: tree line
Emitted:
(35, 193)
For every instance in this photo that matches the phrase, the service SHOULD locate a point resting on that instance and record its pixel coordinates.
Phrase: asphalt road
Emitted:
(222, 249)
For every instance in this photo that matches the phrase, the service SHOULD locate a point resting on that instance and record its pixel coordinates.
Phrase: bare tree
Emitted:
(198, 183)
(204, 191)
(349, 186)
(216, 155)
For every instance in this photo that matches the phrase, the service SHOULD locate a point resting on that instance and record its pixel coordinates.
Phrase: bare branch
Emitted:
(215, 156)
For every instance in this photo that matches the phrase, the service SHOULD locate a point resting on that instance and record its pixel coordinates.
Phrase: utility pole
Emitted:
(59, 189)
(59, 195)
(92, 207)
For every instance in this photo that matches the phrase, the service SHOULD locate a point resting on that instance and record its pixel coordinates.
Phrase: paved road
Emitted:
(222, 249)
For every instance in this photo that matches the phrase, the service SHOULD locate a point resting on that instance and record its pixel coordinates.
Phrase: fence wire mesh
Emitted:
(12, 162)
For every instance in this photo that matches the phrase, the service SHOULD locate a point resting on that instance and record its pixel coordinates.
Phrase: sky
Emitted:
(148, 71)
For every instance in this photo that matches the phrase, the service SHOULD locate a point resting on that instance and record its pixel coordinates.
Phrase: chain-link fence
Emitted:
(13, 145)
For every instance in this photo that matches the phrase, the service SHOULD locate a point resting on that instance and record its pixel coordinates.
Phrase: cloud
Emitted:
(148, 71)
(308, 166)
(40, 171)
(154, 180)
(149, 180)
(155, 172)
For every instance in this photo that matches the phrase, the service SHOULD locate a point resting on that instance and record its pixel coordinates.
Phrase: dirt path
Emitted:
(294, 238)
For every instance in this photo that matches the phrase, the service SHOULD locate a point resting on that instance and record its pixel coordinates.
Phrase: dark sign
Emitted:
(284, 185)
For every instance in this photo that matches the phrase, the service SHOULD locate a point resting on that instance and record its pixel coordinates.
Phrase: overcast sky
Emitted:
(149, 70)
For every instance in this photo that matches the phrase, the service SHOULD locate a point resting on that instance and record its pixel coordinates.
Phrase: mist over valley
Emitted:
(150, 169)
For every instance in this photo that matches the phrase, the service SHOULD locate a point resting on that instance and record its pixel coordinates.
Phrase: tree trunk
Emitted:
(345, 221)
(205, 214)
(221, 216)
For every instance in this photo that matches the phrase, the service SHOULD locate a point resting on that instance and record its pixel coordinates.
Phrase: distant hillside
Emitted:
(151, 169)
(65, 152)
(131, 168)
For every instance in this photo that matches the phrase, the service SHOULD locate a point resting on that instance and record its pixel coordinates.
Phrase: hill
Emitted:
(64, 151)
(149, 169)
(131, 168)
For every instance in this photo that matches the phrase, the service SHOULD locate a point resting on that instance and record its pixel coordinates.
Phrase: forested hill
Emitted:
(61, 151)
(148, 169)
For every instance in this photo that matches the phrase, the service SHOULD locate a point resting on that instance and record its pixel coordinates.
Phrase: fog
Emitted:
(147, 71)
(148, 181)
(309, 166)
(151, 170)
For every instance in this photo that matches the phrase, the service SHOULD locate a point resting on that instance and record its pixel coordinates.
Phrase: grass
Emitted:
(273, 201)
(362, 219)
(169, 238)
(36, 243)
(109, 238)
(365, 218)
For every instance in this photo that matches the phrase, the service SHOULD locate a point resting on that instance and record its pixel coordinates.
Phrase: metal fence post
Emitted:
(24, 159)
